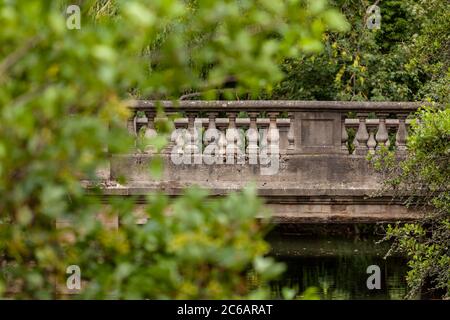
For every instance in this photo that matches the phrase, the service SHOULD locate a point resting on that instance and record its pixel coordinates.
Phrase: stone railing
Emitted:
(284, 127)
(307, 159)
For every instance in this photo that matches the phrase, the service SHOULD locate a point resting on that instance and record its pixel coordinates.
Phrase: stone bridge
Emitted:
(308, 159)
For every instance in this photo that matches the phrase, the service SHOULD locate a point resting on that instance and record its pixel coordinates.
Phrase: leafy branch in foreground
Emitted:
(62, 96)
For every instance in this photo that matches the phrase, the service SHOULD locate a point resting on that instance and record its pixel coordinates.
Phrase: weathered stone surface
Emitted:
(317, 132)
(307, 189)
(295, 171)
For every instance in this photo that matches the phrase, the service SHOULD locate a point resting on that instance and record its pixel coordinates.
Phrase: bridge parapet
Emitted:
(308, 159)
(291, 127)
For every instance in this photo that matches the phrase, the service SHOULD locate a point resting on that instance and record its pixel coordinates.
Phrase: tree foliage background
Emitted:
(63, 104)
(407, 59)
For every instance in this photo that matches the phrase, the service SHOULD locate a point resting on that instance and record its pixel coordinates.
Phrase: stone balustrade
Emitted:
(307, 159)
(283, 127)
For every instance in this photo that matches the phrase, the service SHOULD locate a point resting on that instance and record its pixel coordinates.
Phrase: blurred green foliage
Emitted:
(63, 103)
(190, 248)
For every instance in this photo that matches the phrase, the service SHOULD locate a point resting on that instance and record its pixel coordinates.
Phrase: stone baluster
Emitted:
(191, 147)
(355, 145)
(211, 139)
(402, 133)
(344, 136)
(150, 131)
(362, 135)
(273, 135)
(232, 136)
(211, 132)
(291, 134)
(382, 136)
(240, 146)
(371, 142)
(252, 136)
(177, 141)
(222, 147)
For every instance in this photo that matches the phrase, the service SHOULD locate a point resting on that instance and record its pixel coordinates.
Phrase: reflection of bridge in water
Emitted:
(318, 151)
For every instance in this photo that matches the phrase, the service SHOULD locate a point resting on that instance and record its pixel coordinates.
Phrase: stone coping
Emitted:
(302, 193)
(276, 105)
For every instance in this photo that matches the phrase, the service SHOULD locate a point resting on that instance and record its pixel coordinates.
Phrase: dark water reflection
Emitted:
(336, 266)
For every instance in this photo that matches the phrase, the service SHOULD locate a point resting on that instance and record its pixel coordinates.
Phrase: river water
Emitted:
(336, 266)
